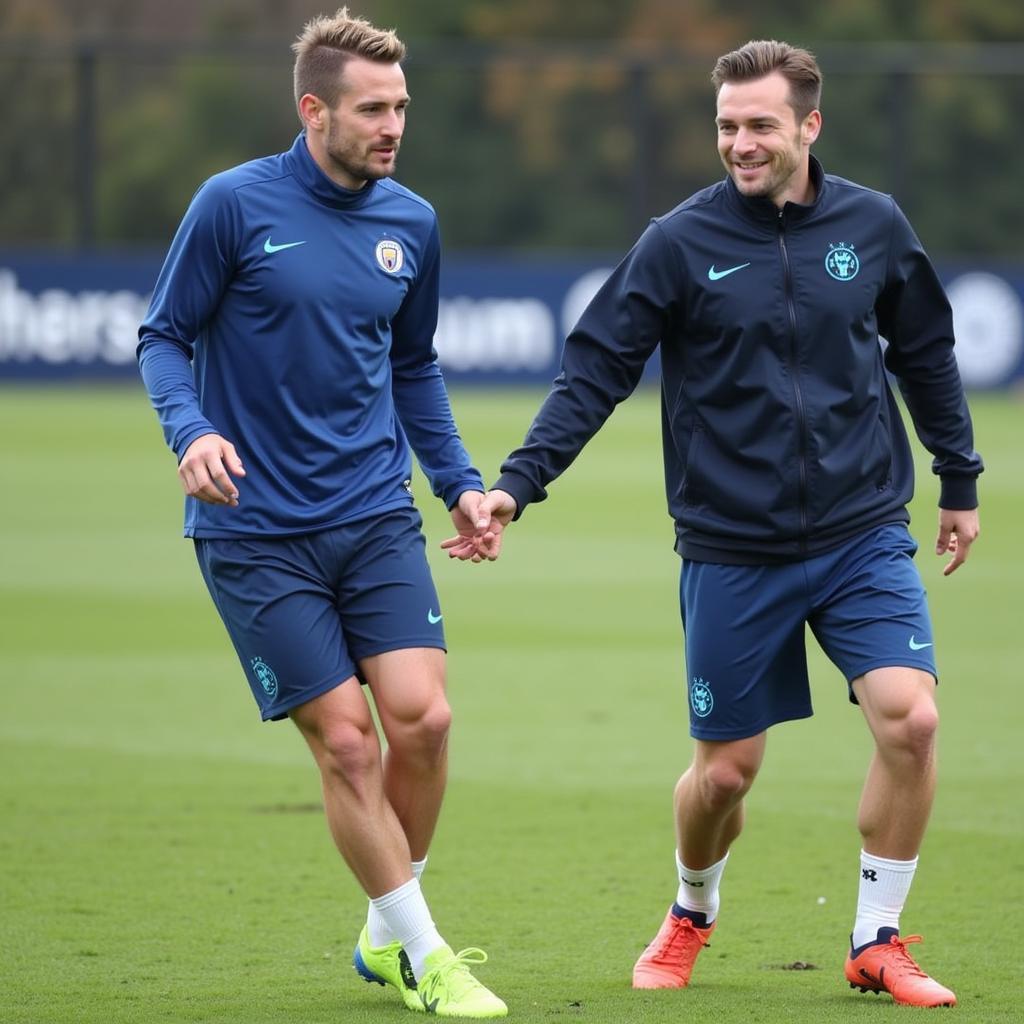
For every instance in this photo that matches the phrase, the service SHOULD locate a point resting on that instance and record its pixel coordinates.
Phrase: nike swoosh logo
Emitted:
(915, 646)
(717, 275)
(432, 618)
(269, 246)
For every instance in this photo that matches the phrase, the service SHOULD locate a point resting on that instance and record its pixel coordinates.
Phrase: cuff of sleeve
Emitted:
(521, 490)
(182, 442)
(456, 492)
(958, 493)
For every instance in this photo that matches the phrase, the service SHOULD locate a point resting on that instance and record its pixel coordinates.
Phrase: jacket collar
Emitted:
(301, 164)
(765, 211)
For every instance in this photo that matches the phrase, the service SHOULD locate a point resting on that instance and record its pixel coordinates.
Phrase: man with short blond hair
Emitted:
(288, 353)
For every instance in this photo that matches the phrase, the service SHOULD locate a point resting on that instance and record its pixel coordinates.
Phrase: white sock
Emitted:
(405, 912)
(884, 885)
(698, 890)
(377, 931)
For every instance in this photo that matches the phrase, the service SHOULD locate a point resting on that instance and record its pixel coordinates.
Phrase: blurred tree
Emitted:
(37, 200)
(164, 133)
(965, 136)
(534, 125)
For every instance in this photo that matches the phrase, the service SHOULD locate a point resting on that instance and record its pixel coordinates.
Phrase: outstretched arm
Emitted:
(418, 388)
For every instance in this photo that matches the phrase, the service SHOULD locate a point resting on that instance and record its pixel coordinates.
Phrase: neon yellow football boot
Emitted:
(447, 988)
(386, 965)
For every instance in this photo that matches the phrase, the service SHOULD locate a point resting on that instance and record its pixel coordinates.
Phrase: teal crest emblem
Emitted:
(701, 699)
(265, 676)
(841, 262)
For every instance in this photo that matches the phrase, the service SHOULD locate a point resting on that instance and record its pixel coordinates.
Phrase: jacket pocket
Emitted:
(880, 469)
(691, 479)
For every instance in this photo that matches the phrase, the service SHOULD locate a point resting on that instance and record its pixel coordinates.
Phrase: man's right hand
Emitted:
(204, 470)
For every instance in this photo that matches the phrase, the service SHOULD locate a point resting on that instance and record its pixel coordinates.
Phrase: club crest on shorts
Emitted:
(390, 257)
(841, 262)
(701, 699)
(265, 676)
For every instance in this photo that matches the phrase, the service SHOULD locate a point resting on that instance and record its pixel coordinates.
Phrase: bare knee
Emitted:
(421, 733)
(724, 779)
(349, 753)
(912, 733)
(436, 723)
(899, 705)
(725, 782)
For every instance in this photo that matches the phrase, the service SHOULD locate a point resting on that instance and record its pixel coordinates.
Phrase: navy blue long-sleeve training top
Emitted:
(296, 319)
(781, 435)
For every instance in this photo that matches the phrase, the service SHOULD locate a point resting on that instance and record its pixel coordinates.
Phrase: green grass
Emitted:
(163, 856)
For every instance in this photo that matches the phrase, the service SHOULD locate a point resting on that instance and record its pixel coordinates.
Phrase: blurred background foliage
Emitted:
(535, 126)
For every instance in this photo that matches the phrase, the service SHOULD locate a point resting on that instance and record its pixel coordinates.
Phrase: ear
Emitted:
(313, 112)
(811, 128)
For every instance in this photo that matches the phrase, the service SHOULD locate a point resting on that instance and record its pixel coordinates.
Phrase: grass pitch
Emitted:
(163, 855)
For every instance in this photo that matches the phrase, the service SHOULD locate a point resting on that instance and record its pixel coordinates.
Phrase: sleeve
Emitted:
(421, 399)
(914, 316)
(602, 362)
(197, 270)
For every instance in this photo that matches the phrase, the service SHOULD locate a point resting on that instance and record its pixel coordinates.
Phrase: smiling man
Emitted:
(288, 353)
(788, 474)
(764, 137)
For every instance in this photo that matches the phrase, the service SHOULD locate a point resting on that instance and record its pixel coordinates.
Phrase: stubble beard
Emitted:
(780, 171)
(346, 158)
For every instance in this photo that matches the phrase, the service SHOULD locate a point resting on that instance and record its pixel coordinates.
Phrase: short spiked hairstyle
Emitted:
(327, 44)
(761, 57)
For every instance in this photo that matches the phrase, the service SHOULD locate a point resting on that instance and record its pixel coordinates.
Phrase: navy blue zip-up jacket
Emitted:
(782, 437)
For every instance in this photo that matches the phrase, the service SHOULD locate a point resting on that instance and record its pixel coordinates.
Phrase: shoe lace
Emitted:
(901, 960)
(684, 943)
(454, 975)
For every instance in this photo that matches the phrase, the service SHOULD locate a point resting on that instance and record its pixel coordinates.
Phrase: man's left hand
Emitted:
(958, 530)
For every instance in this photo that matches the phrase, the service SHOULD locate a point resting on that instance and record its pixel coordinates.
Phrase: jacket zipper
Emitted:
(798, 398)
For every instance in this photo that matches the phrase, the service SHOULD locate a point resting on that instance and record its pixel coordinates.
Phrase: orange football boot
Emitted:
(886, 966)
(668, 961)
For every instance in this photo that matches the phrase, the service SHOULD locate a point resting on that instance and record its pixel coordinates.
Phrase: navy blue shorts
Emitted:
(303, 611)
(746, 661)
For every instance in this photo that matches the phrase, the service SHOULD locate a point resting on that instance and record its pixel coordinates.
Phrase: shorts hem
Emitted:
(893, 662)
(386, 646)
(900, 662)
(278, 712)
(746, 732)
